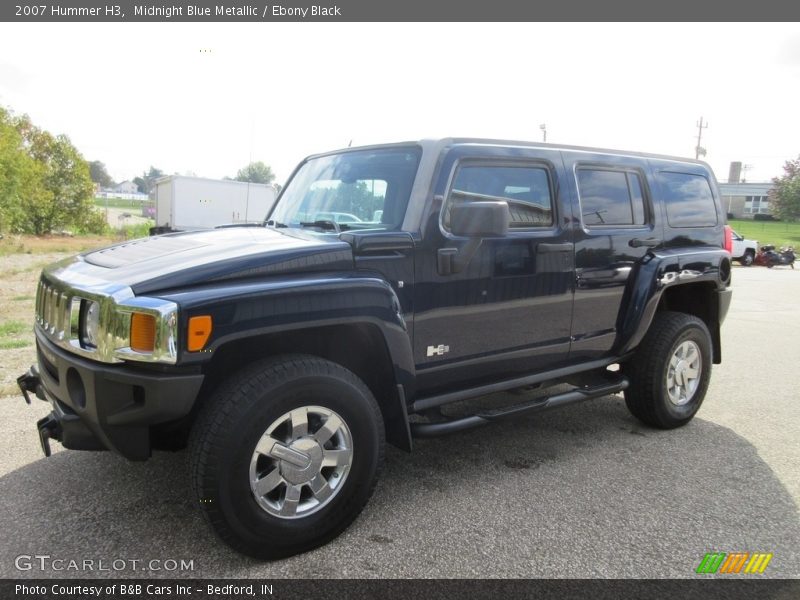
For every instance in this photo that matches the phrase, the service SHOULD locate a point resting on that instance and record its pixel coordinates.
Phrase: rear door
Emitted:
(616, 225)
(692, 207)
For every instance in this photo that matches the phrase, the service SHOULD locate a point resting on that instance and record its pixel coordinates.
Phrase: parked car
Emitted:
(337, 217)
(744, 250)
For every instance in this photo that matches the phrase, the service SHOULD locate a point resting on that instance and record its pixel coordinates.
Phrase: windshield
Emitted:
(361, 189)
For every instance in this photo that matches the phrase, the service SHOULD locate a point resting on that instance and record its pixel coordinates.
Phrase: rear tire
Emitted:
(285, 455)
(670, 371)
(748, 258)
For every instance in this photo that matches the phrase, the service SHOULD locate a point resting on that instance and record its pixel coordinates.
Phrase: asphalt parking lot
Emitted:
(586, 491)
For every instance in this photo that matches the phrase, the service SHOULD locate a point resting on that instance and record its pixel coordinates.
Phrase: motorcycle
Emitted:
(768, 257)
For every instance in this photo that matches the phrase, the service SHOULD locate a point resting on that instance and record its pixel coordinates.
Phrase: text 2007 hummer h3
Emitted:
(387, 282)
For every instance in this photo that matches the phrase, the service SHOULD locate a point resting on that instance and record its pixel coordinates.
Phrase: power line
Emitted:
(698, 150)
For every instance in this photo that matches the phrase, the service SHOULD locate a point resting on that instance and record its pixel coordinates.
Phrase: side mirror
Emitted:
(473, 220)
(480, 219)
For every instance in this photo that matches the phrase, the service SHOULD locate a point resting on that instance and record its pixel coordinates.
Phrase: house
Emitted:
(126, 187)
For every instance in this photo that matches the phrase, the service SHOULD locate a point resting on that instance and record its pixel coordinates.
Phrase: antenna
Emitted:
(249, 162)
(745, 169)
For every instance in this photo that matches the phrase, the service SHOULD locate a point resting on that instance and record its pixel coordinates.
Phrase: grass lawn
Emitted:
(778, 233)
(30, 244)
(120, 203)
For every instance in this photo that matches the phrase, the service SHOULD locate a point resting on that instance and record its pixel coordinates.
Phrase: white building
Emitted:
(745, 200)
(126, 187)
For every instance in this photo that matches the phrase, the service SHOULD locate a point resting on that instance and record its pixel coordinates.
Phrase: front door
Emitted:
(504, 309)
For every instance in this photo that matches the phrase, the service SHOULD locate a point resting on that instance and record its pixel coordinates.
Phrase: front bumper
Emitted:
(101, 406)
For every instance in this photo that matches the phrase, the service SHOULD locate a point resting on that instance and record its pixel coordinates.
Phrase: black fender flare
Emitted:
(661, 270)
(242, 310)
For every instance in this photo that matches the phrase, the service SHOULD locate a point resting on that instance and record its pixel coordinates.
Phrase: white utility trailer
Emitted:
(185, 203)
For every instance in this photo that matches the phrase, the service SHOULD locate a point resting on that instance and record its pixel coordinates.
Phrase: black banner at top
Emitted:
(393, 10)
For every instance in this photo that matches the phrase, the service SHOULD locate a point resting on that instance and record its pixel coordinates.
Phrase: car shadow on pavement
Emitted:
(586, 491)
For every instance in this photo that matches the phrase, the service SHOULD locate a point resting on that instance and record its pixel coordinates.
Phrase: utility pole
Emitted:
(543, 127)
(699, 150)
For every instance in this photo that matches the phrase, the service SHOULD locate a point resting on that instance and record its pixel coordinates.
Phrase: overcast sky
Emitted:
(206, 98)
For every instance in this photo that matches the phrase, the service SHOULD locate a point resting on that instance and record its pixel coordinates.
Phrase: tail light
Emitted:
(728, 239)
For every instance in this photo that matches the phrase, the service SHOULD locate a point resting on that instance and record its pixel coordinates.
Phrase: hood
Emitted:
(181, 259)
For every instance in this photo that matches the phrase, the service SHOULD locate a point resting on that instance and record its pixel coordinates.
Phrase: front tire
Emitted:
(285, 455)
(670, 372)
(748, 258)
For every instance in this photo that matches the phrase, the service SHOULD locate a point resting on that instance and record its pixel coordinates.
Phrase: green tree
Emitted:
(256, 172)
(45, 181)
(98, 173)
(148, 179)
(357, 199)
(785, 195)
(17, 173)
(65, 192)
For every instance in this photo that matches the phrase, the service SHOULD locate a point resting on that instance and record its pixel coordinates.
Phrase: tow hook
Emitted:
(29, 382)
(48, 427)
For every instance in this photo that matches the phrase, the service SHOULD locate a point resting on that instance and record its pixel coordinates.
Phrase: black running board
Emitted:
(509, 384)
(423, 430)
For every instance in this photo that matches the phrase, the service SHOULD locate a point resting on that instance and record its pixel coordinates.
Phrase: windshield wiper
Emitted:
(276, 224)
(325, 224)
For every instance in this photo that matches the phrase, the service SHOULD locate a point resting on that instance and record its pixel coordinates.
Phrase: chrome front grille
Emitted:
(56, 313)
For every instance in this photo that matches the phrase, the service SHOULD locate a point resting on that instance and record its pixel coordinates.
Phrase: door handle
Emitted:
(647, 242)
(543, 247)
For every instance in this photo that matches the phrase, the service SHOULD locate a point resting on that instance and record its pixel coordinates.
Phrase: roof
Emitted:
(442, 143)
(165, 178)
(760, 188)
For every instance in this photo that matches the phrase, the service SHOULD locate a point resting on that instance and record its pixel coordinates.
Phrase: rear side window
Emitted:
(688, 199)
(526, 189)
(611, 198)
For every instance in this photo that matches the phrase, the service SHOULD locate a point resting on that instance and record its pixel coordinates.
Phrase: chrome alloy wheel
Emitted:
(683, 373)
(301, 462)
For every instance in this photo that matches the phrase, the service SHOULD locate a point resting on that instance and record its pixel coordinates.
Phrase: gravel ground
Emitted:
(586, 491)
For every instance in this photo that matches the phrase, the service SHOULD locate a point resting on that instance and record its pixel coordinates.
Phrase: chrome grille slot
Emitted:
(46, 307)
(39, 300)
(52, 312)
(62, 316)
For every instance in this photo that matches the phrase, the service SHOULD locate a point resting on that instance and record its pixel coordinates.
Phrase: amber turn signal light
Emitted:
(199, 332)
(143, 332)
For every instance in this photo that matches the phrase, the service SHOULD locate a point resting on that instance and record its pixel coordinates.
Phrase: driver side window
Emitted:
(526, 189)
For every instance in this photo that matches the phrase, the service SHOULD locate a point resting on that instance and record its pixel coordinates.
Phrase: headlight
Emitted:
(90, 323)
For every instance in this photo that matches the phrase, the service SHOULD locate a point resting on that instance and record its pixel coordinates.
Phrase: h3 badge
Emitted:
(439, 350)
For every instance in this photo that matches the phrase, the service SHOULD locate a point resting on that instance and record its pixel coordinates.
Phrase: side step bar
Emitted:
(509, 384)
(423, 430)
